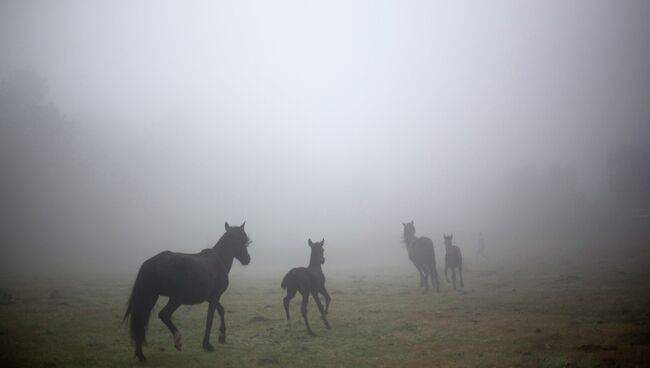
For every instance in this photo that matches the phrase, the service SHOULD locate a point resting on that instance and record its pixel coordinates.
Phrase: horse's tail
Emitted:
(142, 300)
(284, 281)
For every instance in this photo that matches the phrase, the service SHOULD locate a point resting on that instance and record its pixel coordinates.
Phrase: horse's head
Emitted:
(409, 231)
(317, 251)
(238, 243)
(448, 239)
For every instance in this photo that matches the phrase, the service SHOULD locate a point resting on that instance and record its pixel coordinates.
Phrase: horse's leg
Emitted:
(434, 276)
(291, 292)
(420, 273)
(314, 293)
(303, 310)
(208, 326)
(139, 342)
(446, 268)
(425, 272)
(222, 326)
(327, 299)
(165, 315)
(453, 276)
(460, 273)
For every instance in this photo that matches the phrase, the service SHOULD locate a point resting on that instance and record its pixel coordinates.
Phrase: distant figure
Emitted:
(423, 256)
(453, 260)
(308, 280)
(480, 247)
(185, 279)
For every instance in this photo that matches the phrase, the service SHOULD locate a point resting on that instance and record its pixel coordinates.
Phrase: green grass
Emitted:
(587, 314)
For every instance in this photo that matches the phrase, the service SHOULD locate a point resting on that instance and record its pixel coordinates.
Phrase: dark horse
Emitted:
(185, 279)
(453, 260)
(423, 256)
(308, 280)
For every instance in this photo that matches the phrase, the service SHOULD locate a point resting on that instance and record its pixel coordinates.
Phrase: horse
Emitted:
(421, 253)
(186, 279)
(308, 280)
(453, 260)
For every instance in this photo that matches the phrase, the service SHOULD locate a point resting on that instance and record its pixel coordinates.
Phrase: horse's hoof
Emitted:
(325, 322)
(222, 339)
(208, 347)
(141, 358)
(178, 342)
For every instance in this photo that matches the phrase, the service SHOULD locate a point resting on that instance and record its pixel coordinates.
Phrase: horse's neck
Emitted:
(315, 265)
(410, 239)
(225, 257)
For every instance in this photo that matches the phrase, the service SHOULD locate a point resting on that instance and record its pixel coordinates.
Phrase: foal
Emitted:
(453, 259)
(308, 280)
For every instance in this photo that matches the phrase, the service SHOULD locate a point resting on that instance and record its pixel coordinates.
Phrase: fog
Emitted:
(128, 128)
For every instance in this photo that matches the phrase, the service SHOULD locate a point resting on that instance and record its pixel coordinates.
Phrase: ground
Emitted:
(579, 313)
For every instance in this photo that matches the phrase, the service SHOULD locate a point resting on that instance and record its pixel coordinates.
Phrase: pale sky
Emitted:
(334, 119)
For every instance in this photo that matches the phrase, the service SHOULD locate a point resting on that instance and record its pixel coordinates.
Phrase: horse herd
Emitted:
(196, 278)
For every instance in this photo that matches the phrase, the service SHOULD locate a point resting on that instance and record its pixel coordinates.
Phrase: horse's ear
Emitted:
(227, 226)
(242, 225)
(311, 244)
(322, 242)
(412, 222)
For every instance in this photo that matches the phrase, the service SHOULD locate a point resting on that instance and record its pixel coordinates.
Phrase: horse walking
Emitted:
(423, 256)
(308, 280)
(185, 279)
(453, 260)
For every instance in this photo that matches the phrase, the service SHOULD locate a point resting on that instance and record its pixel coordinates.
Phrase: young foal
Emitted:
(453, 260)
(185, 279)
(308, 280)
(423, 256)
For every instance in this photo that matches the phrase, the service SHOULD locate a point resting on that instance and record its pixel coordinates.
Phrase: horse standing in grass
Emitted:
(423, 256)
(453, 260)
(185, 279)
(308, 280)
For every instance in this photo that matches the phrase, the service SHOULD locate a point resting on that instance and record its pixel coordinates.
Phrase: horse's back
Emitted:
(422, 249)
(192, 278)
(300, 278)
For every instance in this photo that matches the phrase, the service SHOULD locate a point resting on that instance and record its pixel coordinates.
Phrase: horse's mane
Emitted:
(227, 238)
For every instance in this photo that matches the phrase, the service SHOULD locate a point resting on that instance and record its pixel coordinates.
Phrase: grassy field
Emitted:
(582, 313)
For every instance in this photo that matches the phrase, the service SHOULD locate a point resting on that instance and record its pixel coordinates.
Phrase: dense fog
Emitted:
(128, 128)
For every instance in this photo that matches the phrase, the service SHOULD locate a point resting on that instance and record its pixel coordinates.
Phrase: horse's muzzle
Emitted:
(245, 261)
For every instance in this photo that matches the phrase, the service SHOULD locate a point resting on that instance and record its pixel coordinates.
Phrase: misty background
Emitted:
(132, 127)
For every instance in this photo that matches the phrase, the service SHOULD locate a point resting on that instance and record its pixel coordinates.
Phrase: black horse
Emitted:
(453, 260)
(185, 279)
(308, 280)
(423, 256)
